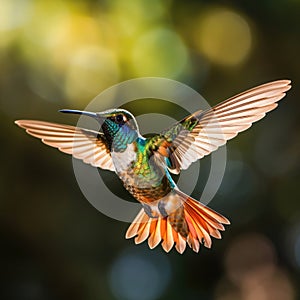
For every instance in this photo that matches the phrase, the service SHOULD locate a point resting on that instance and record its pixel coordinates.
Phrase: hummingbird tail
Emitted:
(191, 223)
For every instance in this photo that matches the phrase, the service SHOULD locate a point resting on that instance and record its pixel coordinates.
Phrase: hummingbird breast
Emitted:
(147, 193)
(144, 178)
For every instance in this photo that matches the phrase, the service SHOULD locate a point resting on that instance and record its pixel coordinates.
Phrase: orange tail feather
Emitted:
(202, 223)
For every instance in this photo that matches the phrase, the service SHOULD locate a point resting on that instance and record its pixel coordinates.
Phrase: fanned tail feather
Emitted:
(202, 223)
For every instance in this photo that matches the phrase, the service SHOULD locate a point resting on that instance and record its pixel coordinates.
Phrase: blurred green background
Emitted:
(57, 54)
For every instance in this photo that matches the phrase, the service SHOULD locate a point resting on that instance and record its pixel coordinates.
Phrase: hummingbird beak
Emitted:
(81, 112)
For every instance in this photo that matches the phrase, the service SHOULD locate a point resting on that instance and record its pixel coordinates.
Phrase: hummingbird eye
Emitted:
(120, 118)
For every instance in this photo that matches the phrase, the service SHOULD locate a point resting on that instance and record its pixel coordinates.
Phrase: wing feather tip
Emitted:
(20, 123)
(287, 81)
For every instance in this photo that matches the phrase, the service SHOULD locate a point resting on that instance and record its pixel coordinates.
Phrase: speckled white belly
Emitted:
(123, 160)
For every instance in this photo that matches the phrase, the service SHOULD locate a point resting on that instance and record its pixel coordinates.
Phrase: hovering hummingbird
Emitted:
(144, 165)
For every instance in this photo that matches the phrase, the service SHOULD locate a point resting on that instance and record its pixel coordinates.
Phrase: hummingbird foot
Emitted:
(162, 208)
(149, 211)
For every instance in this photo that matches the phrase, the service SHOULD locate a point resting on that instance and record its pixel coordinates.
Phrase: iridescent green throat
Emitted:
(118, 137)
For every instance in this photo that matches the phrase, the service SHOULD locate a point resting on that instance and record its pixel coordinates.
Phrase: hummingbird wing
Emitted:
(85, 144)
(202, 132)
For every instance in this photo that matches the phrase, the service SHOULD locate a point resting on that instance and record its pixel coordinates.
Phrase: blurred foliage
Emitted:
(55, 54)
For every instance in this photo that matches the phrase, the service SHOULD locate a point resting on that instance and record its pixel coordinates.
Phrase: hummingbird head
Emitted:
(118, 125)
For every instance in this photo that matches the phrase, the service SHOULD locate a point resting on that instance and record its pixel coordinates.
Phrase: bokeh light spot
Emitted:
(253, 272)
(276, 286)
(159, 52)
(91, 70)
(141, 13)
(14, 13)
(43, 23)
(247, 254)
(70, 34)
(223, 36)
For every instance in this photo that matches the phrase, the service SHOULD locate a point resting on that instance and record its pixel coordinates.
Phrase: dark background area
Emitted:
(54, 54)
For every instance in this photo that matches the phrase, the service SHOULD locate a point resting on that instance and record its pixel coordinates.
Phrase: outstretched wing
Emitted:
(204, 131)
(88, 145)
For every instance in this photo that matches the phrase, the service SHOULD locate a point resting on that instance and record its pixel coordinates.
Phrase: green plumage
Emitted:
(141, 163)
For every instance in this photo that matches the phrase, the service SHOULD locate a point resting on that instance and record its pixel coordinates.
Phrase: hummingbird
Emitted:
(144, 165)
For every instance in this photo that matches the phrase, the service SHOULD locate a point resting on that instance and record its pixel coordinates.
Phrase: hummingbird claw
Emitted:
(148, 211)
(161, 208)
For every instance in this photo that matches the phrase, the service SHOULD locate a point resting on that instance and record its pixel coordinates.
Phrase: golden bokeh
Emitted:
(159, 52)
(91, 70)
(223, 36)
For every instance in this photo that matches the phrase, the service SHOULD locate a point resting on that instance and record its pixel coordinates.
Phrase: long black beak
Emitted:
(80, 112)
